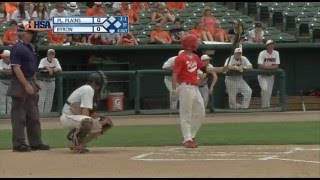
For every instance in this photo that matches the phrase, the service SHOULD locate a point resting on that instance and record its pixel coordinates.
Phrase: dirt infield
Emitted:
(205, 161)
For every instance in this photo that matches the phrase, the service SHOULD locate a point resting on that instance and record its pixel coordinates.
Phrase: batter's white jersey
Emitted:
(5, 101)
(168, 81)
(235, 84)
(266, 81)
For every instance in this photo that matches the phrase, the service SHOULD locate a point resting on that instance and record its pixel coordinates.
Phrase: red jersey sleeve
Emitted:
(178, 65)
(200, 63)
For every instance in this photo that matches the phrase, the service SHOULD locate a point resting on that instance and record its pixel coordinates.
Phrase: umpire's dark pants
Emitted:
(25, 114)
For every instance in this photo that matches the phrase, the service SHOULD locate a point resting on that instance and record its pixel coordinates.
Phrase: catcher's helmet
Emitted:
(189, 42)
(98, 78)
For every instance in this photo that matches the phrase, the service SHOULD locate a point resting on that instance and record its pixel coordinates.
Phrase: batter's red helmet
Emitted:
(190, 42)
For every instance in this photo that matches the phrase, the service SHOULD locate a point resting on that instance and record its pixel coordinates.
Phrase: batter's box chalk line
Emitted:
(183, 154)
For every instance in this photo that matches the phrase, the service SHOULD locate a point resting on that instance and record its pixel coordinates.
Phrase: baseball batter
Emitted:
(205, 91)
(235, 83)
(168, 65)
(5, 68)
(78, 114)
(191, 109)
(268, 59)
(51, 65)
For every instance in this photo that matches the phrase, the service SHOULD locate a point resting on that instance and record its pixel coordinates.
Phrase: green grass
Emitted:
(261, 133)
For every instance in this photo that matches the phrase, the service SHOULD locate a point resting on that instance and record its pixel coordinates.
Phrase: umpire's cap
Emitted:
(99, 78)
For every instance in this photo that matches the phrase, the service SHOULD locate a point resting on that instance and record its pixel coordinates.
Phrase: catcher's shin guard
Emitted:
(77, 136)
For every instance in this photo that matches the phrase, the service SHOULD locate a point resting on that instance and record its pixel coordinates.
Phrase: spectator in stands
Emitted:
(30, 7)
(73, 9)
(160, 36)
(59, 10)
(220, 34)
(208, 20)
(127, 39)
(201, 33)
(176, 6)
(96, 10)
(117, 6)
(257, 34)
(10, 36)
(98, 39)
(133, 16)
(140, 7)
(40, 12)
(21, 14)
(177, 32)
(56, 39)
(3, 14)
(10, 8)
(232, 31)
(162, 15)
(78, 39)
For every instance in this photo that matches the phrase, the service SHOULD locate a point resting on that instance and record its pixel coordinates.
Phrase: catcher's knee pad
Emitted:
(85, 129)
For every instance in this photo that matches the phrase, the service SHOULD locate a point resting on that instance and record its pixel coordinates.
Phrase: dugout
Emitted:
(299, 60)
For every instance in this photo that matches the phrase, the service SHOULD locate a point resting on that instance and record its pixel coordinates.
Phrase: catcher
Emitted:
(78, 114)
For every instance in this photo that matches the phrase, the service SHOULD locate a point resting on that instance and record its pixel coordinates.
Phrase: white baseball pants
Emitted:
(234, 86)
(46, 96)
(168, 83)
(191, 110)
(5, 101)
(266, 84)
(74, 121)
(204, 91)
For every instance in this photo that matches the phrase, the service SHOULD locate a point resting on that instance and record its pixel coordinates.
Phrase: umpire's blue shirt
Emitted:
(23, 55)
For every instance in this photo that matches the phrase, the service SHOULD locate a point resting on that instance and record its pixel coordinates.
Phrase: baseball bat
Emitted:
(302, 102)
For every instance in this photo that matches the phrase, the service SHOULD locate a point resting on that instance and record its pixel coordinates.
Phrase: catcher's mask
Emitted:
(100, 79)
(189, 42)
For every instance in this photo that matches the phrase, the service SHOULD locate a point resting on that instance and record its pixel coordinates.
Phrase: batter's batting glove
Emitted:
(174, 95)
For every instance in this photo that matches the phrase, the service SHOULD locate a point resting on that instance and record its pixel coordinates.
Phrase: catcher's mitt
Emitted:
(106, 124)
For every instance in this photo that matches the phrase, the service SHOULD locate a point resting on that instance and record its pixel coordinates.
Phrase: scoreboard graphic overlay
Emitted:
(87, 25)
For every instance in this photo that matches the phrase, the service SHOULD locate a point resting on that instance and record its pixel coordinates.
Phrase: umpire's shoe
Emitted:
(22, 148)
(40, 147)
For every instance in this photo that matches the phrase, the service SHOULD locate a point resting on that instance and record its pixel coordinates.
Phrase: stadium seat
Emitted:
(233, 13)
(246, 19)
(226, 19)
(143, 39)
(137, 26)
(262, 8)
(276, 12)
(314, 25)
(301, 22)
(289, 16)
(144, 20)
